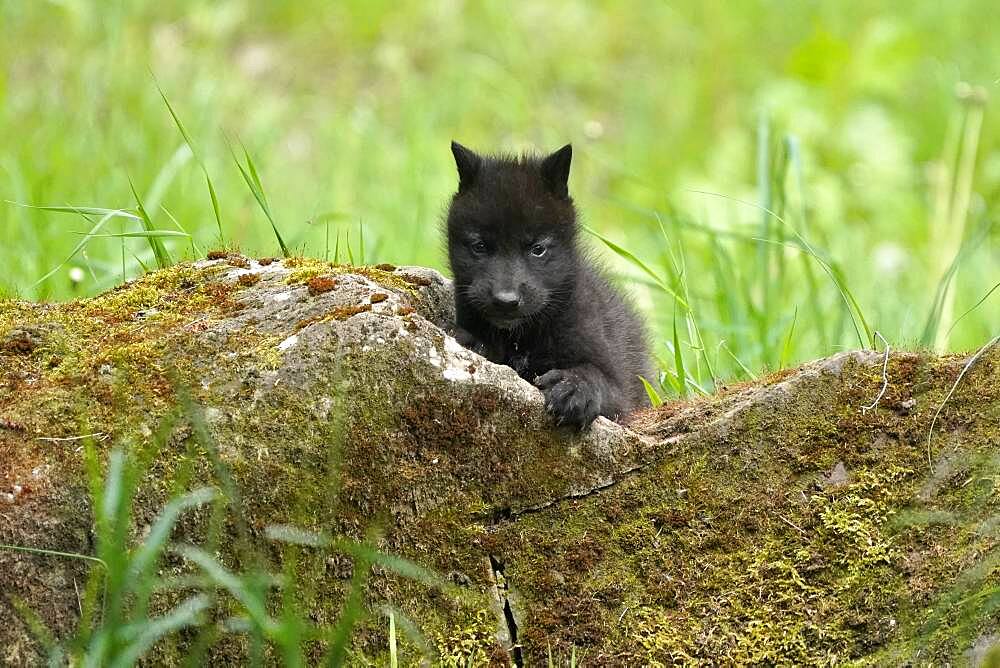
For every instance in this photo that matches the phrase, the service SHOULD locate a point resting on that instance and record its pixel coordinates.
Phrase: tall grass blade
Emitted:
(215, 206)
(636, 262)
(667, 377)
(747, 372)
(787, 348)
(934, 325)
(960, 203)
(820, 322)
(197, 157)
(252, 179)
(764, 196)
(139, 234)
(106, 215)
(325, 219)
(802, 244)
(654, 397)
(195, 249)
(974, 307)
(679, 369)
(854, 311)
(163, 259)
(361, 242)
(166, 175)
(82, 210)
(145, 268)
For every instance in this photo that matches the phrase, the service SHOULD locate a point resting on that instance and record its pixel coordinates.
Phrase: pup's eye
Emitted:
(538, 250)
(480, 247)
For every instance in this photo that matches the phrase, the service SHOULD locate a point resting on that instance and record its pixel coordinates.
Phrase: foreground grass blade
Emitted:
(149, 631)
(145, 558)
(231, 583)
(393, 652)
(39, 630)
(408, 569)
(352, 612)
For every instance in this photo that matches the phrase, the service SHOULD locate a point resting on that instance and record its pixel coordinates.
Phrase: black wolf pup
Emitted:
(527, 296)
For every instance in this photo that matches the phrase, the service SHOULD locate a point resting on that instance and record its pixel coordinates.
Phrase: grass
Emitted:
(117, 626)
(769, 190)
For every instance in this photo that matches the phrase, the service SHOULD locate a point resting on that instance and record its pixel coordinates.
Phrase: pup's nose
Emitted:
(506, 299)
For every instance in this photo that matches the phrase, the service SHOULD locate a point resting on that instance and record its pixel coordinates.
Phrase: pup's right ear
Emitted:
(468, 163)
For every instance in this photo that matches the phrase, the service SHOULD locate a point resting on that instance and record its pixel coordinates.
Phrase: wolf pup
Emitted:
(527, 296)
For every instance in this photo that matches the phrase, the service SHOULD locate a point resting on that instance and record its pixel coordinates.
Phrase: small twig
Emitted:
(791, 523)
(100, 435)
(885, 377)
(968, 365)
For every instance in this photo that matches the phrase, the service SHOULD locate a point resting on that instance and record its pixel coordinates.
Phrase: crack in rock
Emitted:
(502, 595)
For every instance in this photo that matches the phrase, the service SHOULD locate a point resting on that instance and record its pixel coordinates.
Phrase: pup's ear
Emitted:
(468, 163)
(555, 171)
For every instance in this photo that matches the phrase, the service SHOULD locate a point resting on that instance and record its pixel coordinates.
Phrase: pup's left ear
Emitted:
(555, 171)
(468, 163)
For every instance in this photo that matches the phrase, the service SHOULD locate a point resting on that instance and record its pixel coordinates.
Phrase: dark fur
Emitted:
(549, 314)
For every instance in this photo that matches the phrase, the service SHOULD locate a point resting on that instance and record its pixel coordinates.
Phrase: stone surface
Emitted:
(758, 525)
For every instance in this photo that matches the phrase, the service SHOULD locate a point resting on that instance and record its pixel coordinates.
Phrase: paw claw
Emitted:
(568, 398)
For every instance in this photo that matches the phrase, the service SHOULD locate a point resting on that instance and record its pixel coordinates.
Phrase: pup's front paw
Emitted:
(467, 340)
(571, 399)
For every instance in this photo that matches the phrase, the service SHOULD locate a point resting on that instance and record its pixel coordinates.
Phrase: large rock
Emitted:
(766, 524)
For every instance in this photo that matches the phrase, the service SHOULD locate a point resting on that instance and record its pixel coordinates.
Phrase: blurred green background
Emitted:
(872, 134)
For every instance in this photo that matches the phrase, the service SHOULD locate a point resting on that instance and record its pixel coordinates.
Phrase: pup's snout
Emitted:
(506, 300)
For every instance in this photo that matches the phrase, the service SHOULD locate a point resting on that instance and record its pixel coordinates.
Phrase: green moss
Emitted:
(473, 644)
(728, 545)
(304, 269)
(735, 549)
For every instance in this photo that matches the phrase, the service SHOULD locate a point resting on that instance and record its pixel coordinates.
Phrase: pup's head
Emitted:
(511, 232)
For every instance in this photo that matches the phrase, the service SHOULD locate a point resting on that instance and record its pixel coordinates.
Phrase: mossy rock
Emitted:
(810, 517)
